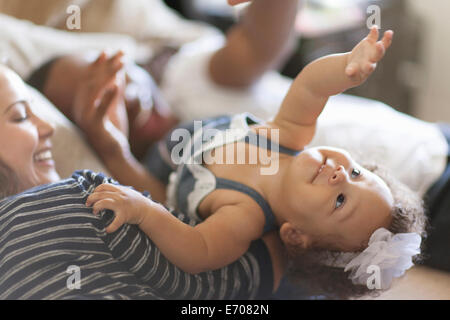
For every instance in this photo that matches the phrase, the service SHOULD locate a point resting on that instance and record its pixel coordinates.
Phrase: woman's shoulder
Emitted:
(81, 181)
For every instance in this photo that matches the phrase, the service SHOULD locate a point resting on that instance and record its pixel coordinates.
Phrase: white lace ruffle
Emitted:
(391, 253)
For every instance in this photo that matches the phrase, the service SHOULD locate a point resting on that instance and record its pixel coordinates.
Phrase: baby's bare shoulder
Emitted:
(234, 204)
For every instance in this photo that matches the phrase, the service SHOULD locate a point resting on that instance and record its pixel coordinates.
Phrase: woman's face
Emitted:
(336, 199)
(25, 145)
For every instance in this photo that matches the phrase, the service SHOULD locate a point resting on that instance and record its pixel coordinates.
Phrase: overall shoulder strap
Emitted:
(263, 142)
(270, 224)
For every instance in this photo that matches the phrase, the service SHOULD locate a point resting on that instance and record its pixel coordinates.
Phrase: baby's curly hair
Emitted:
(307, 270)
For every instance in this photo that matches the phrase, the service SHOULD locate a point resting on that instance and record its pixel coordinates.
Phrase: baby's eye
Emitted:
(340, 201)
(356, 173)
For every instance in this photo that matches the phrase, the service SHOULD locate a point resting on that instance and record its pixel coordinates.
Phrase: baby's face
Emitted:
(335, 199)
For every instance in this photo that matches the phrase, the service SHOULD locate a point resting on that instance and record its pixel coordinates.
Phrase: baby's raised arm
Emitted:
(321, 79)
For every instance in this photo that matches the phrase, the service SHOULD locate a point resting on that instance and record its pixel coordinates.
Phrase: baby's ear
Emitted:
(293, 236)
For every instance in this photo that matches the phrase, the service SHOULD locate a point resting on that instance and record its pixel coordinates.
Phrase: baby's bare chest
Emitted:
(246, 174)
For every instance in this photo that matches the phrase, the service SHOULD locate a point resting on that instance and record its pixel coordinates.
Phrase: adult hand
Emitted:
(99, 108)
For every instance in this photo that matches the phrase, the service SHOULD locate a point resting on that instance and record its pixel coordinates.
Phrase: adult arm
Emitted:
(255, 44)
(98, 95)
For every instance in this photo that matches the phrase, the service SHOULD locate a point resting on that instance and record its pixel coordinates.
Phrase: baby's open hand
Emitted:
(364, 57)
(128, 205)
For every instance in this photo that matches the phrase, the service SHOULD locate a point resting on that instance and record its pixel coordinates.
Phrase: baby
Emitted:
(318, 198)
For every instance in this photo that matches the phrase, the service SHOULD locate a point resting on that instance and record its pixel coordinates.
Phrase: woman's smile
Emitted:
(44, 158)
(26, 143)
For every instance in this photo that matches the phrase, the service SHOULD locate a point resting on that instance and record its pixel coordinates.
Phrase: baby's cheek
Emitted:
(357, 238)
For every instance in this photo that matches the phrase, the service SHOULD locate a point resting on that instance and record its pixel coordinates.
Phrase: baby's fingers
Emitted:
(107, 187)
(115, 224)
(109, 204)
(373, 34)
(387, 39)
(97, 196)
(382, 45)
(368, 68)
(103, 204)
(352, 69)
(378, 53)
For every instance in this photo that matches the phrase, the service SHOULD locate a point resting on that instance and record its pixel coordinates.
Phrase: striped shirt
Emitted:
(47, 231)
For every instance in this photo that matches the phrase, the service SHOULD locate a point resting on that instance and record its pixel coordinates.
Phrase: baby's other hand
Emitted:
(363, 59)
(128, 205)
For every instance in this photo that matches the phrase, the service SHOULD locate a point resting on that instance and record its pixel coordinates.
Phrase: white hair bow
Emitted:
(388, 256)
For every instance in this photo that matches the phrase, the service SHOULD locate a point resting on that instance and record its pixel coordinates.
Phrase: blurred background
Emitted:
(414, 77)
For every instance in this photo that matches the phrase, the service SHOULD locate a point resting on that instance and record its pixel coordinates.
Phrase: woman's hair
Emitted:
(9, 182)
(306, 267)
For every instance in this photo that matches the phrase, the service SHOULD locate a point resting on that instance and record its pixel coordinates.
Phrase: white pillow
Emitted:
(70, 151)
(26, 46)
